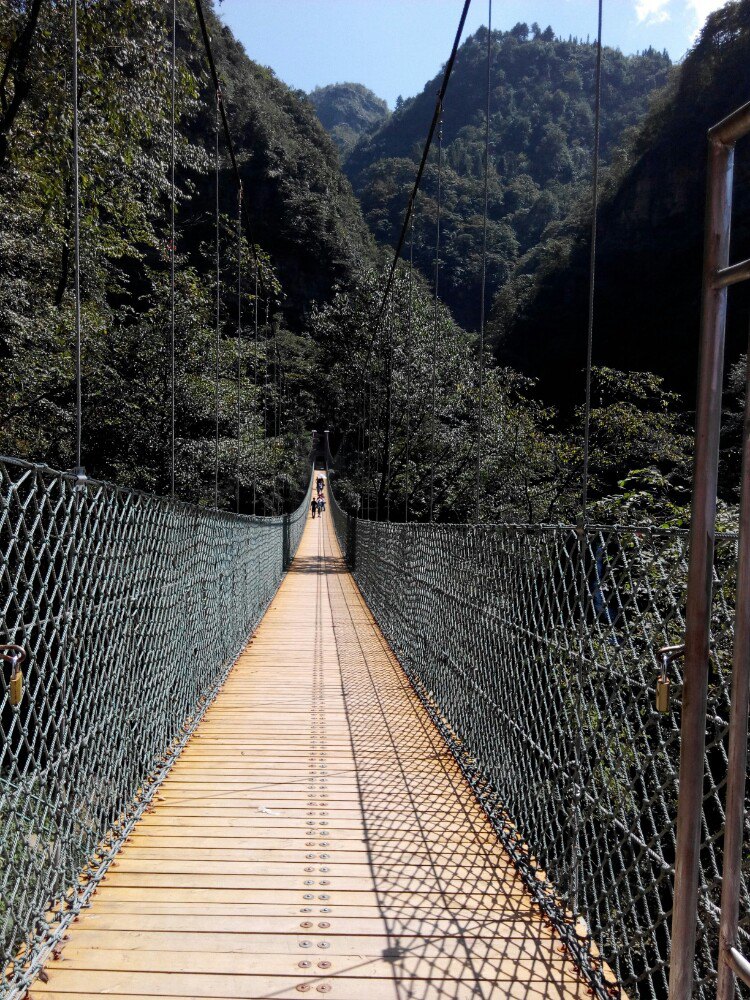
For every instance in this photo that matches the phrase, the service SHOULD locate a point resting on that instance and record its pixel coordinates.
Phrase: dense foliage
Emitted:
(304, 219)
(650, 246)
(316, 356)
(346, 110)
(541, 135)
(397, 450)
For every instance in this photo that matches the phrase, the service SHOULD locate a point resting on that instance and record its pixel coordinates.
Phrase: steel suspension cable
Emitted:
(172, 250)
(369, 444)
(276, 382)
(483, 301)
(386, 481)
(433, 389)
(239, 346)
(225, 121)
(592, 268)
(265, 378)
(255, 388)
(436, 116)
(408, 370)
(577, 791)
(77, 246)
(376, 458)
(217, 348)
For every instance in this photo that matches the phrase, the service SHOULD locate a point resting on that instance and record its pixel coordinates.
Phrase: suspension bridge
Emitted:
(247, 756)
(315, 834)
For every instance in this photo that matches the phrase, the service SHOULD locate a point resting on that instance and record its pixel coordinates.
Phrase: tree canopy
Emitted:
(541, 139)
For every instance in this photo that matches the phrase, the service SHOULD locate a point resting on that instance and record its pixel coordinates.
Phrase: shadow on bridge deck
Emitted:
(315, 836)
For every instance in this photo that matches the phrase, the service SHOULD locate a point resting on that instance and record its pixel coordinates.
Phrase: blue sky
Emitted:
(395, 46)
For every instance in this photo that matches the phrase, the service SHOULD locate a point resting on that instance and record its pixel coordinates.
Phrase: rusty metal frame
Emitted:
(718, 276)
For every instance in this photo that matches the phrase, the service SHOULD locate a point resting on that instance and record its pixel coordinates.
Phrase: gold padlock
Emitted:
(16, 687)
(662, 695)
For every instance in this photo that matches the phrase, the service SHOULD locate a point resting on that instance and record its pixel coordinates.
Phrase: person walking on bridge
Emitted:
(314, 507)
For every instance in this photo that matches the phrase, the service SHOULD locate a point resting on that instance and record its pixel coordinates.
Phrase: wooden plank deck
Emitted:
(314, 837)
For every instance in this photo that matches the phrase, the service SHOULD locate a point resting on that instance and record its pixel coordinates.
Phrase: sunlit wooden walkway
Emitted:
(315, 836)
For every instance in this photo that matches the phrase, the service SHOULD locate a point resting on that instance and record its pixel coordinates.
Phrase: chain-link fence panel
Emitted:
(536, 650)
(129, 610)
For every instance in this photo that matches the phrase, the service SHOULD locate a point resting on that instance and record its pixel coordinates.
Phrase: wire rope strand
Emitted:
(217, 347)
(577, 790)
(483, 300)
(388, 415)
(408, 371)
(225, 121)
(77, 245)
(239, 348)
(265, 381)
(369, 444)
(433, 383)
(436, 116)
(255, 388)
(592, 270)
(172, 252)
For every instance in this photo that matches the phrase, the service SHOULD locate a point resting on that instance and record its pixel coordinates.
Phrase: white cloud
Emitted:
(653, 11)
(699, 11)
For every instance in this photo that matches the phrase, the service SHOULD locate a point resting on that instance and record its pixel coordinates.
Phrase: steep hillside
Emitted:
(650, 241)
(346, 110)
(541, 136)
(301, 206)
(303, 217)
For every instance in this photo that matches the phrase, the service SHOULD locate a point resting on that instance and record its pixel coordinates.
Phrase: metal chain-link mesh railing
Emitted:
(130, 610)
(536, 650)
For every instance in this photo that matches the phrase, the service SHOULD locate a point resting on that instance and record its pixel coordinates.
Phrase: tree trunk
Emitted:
(16, 65)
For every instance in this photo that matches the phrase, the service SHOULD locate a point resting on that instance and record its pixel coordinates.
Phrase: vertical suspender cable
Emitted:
(433, 413)
(388, 414)
(376, 456)
(577, 795)
(239, 346)
(217, 346)
(265, 379)
(77, 242)
(436, 118)
(483, 303)
(255, 389)
(384, 490)
(276, 383)
(592, 270)
(408, 370)
(361, 445)
(172, 249)
(369, 443)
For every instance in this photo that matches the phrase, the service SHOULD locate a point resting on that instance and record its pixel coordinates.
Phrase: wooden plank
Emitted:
(347, 924)
(315, 817)
(76, 985)
(422, 911)
(255, 951)
(497, 903)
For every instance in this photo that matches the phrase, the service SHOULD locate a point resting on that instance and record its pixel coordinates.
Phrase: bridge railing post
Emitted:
(717, 276)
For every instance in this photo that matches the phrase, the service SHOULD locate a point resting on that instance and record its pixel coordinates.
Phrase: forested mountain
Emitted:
(320, 358)
(304, 219)
(650, 244)
(541, 138)
(346, 110)
(301, 208)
